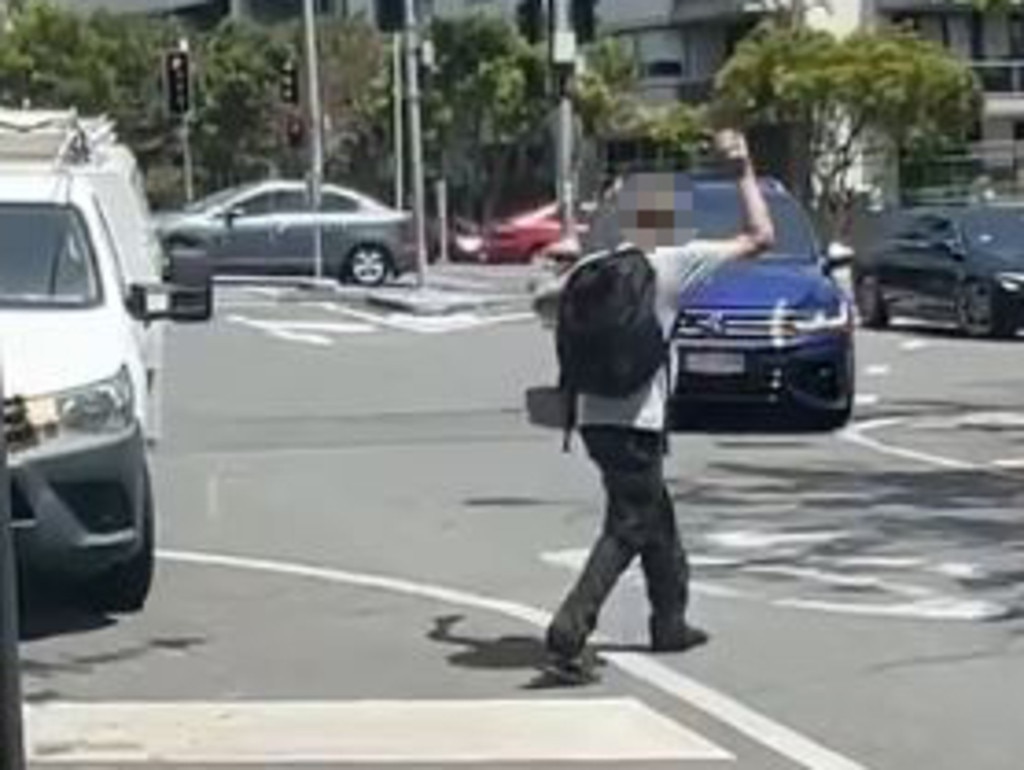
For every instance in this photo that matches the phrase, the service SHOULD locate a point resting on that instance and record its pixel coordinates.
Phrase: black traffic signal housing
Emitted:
(390, 15)
(530, 19)
(290, 90)
(584, 19)
(178, 82)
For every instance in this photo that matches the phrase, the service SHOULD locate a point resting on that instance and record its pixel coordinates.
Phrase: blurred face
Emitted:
(655, 213)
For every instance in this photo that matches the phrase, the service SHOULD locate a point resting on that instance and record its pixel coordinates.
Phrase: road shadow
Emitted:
(966, 523)
(504, 653)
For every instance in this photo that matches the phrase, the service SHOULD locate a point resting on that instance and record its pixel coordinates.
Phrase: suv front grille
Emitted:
(737, 325)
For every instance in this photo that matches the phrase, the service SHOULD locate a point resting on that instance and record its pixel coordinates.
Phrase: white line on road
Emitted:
(798, 748)
(878, 370)
(1010, 464)
(858, 434)
(926, 604)
(767, 732)
(867, 399)
(364, 732)
(913, 345)
(308, 332)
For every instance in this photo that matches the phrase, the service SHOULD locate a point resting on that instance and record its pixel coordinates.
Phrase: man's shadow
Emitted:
(506, 653)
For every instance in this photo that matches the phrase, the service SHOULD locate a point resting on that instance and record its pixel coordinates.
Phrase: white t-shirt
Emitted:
(678, 269)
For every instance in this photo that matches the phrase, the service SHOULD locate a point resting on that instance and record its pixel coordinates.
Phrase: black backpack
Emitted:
(609, 339)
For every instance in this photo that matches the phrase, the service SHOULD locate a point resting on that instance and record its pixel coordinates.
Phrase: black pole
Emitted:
(12, 746)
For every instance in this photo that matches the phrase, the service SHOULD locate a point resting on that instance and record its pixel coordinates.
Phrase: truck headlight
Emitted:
(104, 407)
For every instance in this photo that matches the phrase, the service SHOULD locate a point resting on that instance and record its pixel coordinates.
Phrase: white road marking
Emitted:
(927, 604)
(913, 345)
(878, 370)
(858, 434)
(366, 732)
(447, 324)
(935, 608)
(779, 738)
(308, 332)
(1011, 464)
(759, 540)
(799, 749)
(867, 399)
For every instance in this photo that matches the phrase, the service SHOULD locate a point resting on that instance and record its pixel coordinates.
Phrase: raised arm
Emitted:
(758, 234)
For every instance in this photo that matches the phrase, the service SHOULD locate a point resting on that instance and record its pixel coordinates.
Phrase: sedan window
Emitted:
(264, 203)
(340, 203)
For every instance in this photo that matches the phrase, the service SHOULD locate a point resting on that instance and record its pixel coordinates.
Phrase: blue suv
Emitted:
(767, 342)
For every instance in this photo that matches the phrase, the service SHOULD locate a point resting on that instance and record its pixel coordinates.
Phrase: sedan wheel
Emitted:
(978, 311)
(368, 266)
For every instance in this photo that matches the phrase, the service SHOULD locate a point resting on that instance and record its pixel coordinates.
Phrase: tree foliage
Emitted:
(849, 95)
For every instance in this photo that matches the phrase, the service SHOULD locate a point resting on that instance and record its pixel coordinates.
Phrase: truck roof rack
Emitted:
(52, 137)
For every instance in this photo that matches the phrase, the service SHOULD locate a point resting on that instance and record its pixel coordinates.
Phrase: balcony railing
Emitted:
(1000, 77)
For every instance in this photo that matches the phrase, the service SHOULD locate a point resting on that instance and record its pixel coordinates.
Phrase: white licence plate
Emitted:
(715, 363)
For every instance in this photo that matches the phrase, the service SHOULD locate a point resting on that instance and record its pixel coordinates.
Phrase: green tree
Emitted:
(887, 88)
(486, 105)
(238, 133)
(54, 59)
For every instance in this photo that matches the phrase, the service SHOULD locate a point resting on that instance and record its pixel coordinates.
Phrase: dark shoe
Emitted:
(570, 672)
(676, 636)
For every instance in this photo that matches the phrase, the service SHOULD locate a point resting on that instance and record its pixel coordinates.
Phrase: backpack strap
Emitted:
(669, 382)
(571, 413)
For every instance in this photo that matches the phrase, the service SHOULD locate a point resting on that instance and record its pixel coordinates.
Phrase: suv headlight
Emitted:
(1013, 282)
(823, 321)
(104, 407)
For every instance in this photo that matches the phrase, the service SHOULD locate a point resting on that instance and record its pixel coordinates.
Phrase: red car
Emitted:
(521, 238)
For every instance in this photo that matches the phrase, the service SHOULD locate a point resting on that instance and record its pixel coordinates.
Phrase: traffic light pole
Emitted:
(563, 54)
(419, 193)
(316, 132)
(12, 747)
(399, 121)
(186, 157)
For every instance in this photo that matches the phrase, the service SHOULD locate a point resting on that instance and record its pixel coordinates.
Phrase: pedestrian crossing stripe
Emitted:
(363, 732)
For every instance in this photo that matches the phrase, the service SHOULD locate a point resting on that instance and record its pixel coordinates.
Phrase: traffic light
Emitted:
(584, 19)
(530, 18)
(178, 82)
(290, 93)
(391, 15)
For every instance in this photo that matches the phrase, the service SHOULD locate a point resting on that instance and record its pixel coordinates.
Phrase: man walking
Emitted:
(625, 436)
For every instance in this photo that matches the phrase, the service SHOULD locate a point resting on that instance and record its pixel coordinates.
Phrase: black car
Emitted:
(961, 265)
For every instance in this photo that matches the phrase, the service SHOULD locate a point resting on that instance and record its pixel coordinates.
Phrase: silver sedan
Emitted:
(267, 229)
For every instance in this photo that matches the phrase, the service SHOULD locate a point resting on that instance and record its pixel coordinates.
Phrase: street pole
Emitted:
(316, 133)
(442, 218)
(188, 165)
(186, 156)
(12, 746)
(399, 121)
(563, 55)
(419, 194)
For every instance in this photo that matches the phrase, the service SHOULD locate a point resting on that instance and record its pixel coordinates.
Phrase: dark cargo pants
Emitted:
(639, 520)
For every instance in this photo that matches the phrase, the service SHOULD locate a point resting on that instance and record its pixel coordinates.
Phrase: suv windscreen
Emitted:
(994, 229)
(46, 258)
(719, 215)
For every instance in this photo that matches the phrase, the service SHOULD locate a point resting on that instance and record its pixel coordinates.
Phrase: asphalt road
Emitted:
(361, 538)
